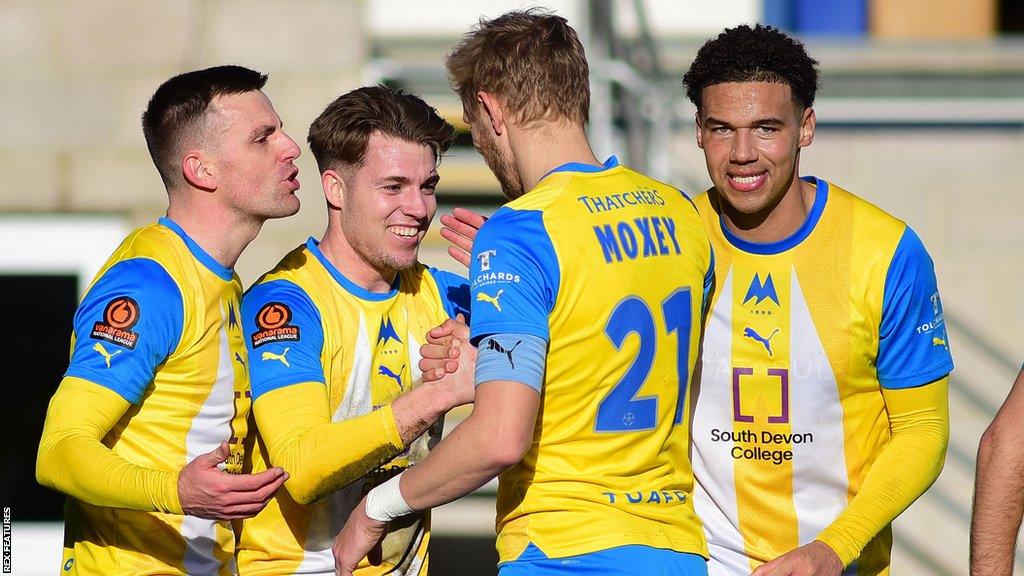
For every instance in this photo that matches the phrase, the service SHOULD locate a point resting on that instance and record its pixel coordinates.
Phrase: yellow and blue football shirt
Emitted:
(306, 322)
(803, 335)
(161, 327)
(609, 267)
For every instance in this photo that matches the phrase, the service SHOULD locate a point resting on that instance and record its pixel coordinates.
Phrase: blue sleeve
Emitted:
(514, 275)
(454, 290)
(126, 326)
(284, 336)
(512, 357)
(913, 346)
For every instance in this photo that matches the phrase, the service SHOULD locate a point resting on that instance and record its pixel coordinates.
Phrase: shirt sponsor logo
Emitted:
(640, 196)
(387, 332)
(268, 355)
(120, 315)
(938, 322)
(493, 344)
(490, 278)
(107, 356)
(749, 332)
(272, 325)
(385, 371)
(493, 300)
(762, 291)
(485, 259)
(741, 413)
(232, 317)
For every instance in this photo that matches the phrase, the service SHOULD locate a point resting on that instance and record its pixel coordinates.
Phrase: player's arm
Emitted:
(292, 411)
(999, 488)
(510, 330)
(103, 380)
(907, 466)
(494, 437)
(73, 460)
(322, 456)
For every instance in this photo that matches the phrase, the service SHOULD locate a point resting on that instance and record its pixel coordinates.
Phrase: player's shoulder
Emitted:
(420, 273)
(703, 202)
(146, 261)
(297, 267)
(154, 242)
(871, 224)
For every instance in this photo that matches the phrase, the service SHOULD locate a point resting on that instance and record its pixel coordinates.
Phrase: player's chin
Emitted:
(400, 260)
(284, 207)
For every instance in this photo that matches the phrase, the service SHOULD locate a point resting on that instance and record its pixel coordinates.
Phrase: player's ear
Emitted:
(700, 136)
(334, 188)
(807, 124)
(198, 170)
(495, 113)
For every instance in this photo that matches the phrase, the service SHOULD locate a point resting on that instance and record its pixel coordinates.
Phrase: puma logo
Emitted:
(938, 341)
(385, 371)
(238, 358)
(753, 335)
(492, 344)
(103, 352)
(484, 297)
(280, 357)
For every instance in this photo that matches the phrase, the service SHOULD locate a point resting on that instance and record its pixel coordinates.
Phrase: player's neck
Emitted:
(776, 222)
(539, 150)
(336, 247)
(221, 233)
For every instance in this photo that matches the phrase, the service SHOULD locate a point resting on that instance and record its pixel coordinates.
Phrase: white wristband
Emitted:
(385, 502)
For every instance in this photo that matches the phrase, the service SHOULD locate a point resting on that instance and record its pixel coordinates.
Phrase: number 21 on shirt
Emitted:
(621, 410)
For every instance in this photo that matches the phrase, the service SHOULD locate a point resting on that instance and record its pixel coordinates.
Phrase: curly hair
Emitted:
(758, 54)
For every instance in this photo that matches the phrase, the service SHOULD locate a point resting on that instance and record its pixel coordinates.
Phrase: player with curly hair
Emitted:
(822, 413)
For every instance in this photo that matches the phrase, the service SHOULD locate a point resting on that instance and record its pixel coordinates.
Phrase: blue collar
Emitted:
(222, 272)
(801, 233)
(611, 162)
(313, 245)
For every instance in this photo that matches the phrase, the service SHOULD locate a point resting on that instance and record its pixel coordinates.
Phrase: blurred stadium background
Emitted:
(921, 112)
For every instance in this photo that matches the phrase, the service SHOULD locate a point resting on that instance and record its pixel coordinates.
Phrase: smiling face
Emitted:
(253, 156)
(388, 203)
(751, 134)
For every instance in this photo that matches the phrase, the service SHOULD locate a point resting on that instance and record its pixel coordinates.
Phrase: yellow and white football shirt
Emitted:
(803, 335)
(306, 322)
(160, 326)
(609, 267)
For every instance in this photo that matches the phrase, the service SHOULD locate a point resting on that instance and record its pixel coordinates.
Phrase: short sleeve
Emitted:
(913, 346)
(284, 335)
(454, 290)
(514, 276)
(128, 324)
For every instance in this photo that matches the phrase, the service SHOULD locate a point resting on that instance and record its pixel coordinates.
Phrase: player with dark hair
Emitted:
(822, 412)
(588, 287)
(155, 401)
(333, 334)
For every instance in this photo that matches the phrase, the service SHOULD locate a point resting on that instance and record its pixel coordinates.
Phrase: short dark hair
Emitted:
(179, 104)
(532, 60)
(339, 135)
(758, 54)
